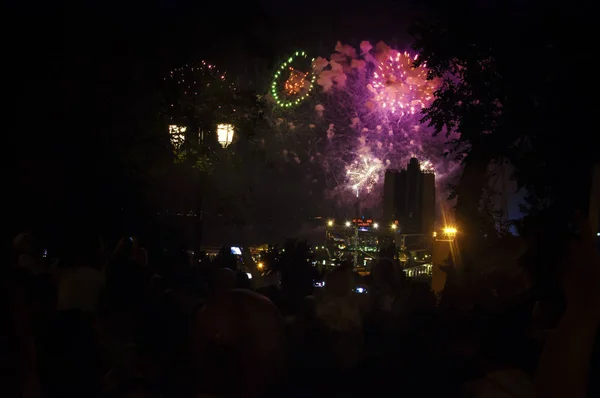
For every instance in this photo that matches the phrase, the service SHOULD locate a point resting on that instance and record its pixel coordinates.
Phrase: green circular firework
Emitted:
(293, 81)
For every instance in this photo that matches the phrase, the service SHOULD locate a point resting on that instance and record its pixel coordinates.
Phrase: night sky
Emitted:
(80, 76)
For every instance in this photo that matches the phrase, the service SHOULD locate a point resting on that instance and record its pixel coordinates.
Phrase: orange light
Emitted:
(296, 82)
(450, 231)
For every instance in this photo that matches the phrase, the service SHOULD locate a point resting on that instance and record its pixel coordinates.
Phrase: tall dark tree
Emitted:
(199, 97)
(514, 91)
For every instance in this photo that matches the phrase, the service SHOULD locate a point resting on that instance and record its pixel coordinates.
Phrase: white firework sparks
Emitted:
(427, 166)
(363, 173)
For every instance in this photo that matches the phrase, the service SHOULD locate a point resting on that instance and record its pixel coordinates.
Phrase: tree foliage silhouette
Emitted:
(511, 95)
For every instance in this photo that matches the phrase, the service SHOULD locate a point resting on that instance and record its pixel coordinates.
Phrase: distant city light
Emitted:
(394, 226)
(260, 266)
(330, 223)
(347, 223)
(375, 225)
(225, 134)
(597, 233)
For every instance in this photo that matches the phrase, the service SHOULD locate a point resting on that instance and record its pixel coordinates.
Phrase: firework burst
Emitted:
(193, 81)
(363, 173)
(399, 87)
(363, 118)
(427, 166)
(293, 80)
(198, 89)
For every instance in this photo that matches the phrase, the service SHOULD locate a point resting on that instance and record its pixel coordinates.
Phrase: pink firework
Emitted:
(399, 87)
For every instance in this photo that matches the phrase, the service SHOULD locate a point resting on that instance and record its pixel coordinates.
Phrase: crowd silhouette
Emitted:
(87, 323)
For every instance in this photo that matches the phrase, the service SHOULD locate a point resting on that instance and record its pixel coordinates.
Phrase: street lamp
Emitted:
(394, 226)
(329, 224)
(224, 134)
(347, 223)
(375, 225)
(451, 231)
(177, 135)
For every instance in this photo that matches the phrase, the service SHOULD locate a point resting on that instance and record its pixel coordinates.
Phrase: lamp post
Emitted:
(329, 227)
(354, 225)
(355, 244)
(225, 133)
(182, 138)
(356, 229)
(444, 250)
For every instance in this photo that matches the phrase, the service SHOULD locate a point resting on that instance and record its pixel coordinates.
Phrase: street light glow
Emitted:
(375, 225)
(330, 223)
(347, 223)
(224, 134)
(394, 226)
(177, 135)
(260, 265)
(450, 231)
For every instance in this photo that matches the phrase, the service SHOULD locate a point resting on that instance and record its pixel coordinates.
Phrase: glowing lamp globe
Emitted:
(177, 135)
(224, 134)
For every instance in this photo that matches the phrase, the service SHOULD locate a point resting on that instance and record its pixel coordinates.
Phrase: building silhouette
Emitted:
(409, 199)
